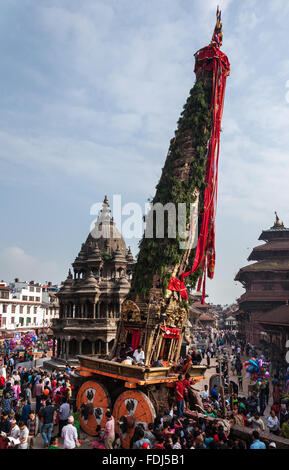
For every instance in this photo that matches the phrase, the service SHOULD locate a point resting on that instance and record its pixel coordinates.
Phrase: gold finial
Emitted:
(105, 201)
(278, 223)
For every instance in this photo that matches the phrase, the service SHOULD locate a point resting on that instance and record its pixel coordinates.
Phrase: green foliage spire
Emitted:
(184, 171)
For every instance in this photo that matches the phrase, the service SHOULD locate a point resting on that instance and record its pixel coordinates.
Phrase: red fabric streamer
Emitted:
(171, 332)
(135, 338)
(179, 286)
(210, 58)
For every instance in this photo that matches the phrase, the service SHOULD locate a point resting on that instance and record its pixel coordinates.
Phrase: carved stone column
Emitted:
(66, 349)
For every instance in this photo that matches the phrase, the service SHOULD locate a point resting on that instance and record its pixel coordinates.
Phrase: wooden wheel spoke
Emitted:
(143, 412)
(99, 398)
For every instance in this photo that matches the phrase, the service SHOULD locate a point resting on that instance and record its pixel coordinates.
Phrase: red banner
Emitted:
(171, 332)
(179, 286)
(135, 338)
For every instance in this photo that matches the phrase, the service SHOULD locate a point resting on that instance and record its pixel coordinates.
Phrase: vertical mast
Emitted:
(190, 175)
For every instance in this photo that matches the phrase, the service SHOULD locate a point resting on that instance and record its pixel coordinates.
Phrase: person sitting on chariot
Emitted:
(128, 359)
(158, 363)
(139, 357)
(187, 364)
(121, 356)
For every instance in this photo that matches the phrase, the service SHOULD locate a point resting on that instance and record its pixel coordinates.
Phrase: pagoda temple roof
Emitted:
(199, 305)
(264, 296)
(277, 316)
(274, 234)
(266, 265)
(271, 246)
(193, 309)
(206, 317)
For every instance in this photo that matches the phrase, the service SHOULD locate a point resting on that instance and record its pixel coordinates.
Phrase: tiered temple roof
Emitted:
(277, 316)
(271, 256)
(267, 280)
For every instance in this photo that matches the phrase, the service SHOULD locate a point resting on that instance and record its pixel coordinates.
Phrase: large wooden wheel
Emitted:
(131, 408)
(93, 401)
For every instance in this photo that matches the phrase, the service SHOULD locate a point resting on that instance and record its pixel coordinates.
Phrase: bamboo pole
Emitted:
(159, 343)
(170, 350)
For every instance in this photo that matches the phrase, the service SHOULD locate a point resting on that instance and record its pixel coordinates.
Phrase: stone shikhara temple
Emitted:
(90, 298)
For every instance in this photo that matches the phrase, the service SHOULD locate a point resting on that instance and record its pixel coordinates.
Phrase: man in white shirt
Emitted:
(16, 377)
(69, 434)
(205, 393)
(23, 437)
(15, 430)
(64, 413)
(46, 380)
(273, 422)
(139, 356)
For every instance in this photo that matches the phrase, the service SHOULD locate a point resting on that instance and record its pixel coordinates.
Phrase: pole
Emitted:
(222, 387)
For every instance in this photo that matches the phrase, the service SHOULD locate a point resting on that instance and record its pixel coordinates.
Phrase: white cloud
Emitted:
(80, 159)
(96, 100)
(15, 262)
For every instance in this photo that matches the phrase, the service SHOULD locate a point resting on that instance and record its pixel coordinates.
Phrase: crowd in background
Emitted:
(35, 402)
(21, 421)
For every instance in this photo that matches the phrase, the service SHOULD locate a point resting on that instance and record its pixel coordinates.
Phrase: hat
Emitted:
(70, 420)
(145, 445)
(3, 434)
(272, 444)
(13, 421)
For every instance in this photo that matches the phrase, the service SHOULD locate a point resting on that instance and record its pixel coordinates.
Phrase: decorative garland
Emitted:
(209, 60)
(192, 163)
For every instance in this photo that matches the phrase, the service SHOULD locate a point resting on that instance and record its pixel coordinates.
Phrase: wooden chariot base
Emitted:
(134, 394)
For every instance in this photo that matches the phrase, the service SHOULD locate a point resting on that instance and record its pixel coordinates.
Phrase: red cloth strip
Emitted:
(209, 58)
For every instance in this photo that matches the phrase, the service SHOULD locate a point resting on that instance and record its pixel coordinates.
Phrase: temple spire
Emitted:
(278, 223)
(217, 39)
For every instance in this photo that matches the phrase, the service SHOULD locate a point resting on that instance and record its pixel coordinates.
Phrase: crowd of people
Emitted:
(35, 403)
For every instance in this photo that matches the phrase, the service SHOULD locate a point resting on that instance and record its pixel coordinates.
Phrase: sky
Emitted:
(91, 92)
